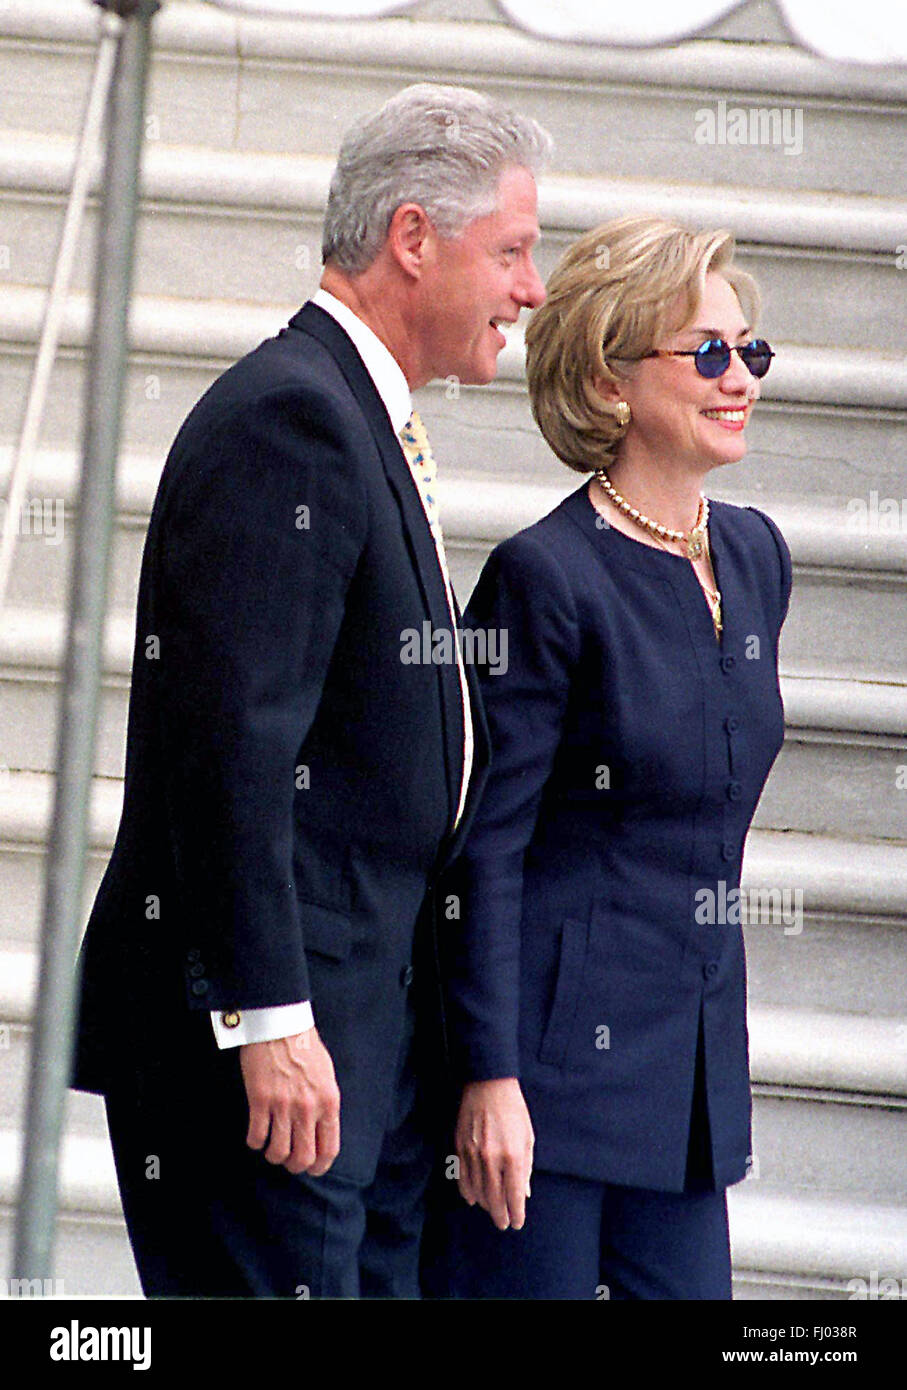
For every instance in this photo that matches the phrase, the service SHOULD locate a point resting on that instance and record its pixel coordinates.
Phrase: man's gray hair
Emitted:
(444, 148)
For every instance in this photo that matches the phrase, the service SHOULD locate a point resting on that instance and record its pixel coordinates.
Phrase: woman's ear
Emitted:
(607, 388)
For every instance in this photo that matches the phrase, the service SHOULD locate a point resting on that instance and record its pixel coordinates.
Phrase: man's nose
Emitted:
(532, 289)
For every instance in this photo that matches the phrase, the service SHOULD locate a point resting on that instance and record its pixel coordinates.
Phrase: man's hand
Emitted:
(494, 1143)
(294, 1098)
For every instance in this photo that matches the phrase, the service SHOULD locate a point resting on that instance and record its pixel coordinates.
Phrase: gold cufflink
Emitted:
(231, 1019)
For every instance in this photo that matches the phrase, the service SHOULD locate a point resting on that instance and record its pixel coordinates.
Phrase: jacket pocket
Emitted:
(574, 942)
(325, 931)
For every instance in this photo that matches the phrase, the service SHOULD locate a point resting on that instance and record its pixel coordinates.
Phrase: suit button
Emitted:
(406, 976)
(728, 663)
(711, 970)
(727, 851)
(193, 955)
(197, 969)
(199, 987)
(732, 723)
(734, 791)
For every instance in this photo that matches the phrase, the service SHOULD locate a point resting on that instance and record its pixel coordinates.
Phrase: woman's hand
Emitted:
(494, 1142)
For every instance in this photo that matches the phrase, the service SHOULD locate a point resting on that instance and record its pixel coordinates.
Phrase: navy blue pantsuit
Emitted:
(594, 954)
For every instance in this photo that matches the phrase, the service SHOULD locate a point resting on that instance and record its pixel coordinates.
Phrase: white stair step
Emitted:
(837, 1135)
(839, 962)
(91, 1250)
(178, 328)
(196, 179)
(818, 1050)
(848, 614)
(91, 1257)
(811, 1050)
(852, 879)
(830, 1107)
(246, 225)
(852, 1145)
(263, 106)
(803, 1234)
(633, 108)
(84, 1114)
(823, 450)
(848, 617)
(33, 639)
(847, 737)
(32, 645)
(845, 444)
(88, 1181)
(22, 876)
(480, 509)
(848, 741)
(26, 803)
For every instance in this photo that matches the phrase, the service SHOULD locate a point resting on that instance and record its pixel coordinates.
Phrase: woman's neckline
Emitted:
(635, 540)
(643, 547)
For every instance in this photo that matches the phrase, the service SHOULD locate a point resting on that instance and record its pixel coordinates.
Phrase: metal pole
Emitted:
(56, 303)
(51, 1051)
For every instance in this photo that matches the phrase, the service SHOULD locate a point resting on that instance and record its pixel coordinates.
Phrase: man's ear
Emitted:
(409, 236)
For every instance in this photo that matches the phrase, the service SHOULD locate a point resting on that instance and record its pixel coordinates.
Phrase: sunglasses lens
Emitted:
(758, 356)
(712, 358)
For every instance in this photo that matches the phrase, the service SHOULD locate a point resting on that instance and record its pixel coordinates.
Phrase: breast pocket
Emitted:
(574, 944)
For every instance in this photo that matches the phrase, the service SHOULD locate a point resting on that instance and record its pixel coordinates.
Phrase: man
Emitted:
(260, 956)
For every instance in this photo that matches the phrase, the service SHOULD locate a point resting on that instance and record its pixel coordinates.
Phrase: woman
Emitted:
(597, 981)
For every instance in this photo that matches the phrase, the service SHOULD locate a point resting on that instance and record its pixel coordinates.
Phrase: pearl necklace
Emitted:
(696, 542)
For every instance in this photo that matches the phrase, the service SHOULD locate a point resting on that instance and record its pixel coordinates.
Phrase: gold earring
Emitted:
(622, 414)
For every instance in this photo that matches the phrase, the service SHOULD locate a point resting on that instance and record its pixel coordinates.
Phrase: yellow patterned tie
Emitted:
(425, 471)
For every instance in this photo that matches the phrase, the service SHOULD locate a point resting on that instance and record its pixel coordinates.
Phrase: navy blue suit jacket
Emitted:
(291, 784)
(629, 750)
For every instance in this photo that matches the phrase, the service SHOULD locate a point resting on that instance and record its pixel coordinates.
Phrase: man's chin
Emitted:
(479, 374)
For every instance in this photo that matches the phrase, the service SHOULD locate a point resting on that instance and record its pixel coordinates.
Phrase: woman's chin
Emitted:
(733, 452)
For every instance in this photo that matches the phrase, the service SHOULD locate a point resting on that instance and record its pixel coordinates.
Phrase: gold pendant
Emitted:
(694, 545)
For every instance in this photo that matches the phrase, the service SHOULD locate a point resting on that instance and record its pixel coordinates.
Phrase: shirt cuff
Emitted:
(235, 1027)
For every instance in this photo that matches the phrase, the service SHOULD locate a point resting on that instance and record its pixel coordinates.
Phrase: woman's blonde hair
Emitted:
(616, 291)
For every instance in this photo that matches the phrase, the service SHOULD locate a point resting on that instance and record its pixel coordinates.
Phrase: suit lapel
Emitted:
(313, 320)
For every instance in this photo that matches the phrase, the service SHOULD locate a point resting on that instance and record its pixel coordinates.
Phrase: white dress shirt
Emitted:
(285, 1020)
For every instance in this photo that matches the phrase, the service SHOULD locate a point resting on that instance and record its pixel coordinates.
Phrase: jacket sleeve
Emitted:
(261, 527)
(523, 599)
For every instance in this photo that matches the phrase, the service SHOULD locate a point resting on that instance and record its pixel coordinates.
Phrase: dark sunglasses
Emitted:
(713, 357)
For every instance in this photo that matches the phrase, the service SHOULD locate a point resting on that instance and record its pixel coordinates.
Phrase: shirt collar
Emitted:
(380, 363)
